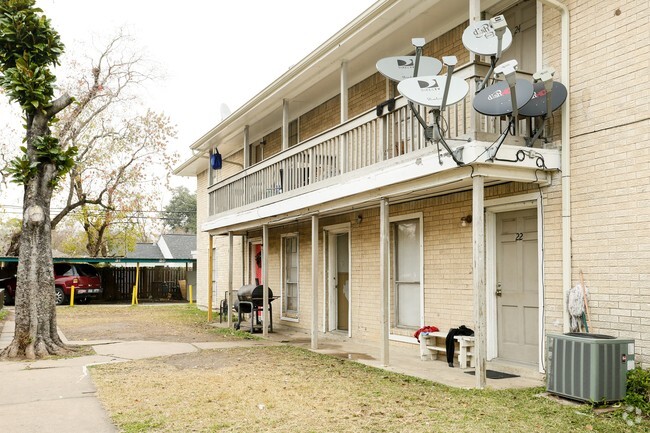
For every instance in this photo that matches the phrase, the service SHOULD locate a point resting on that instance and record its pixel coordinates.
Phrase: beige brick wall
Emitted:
(325, 116)
(449, 44)
(273, 143)
(610, 168)
(366, 94)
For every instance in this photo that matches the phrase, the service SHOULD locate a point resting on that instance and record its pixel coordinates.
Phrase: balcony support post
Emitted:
(285, 124)
(384, 239)
(247, 149)
(314, 282)
(265, 276)
(478, 273)
(230, 270)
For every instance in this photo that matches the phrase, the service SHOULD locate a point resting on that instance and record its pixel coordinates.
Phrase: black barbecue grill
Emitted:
(250, 300)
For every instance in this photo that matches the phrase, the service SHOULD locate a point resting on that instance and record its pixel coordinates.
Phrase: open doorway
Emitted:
(338, 279)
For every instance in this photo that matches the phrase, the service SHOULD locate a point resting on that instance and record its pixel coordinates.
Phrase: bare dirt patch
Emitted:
(176, 323)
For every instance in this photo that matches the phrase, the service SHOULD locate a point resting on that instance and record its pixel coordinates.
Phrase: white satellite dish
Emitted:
(402, 67)
(482, 37)
(225, 111)
(429, 90)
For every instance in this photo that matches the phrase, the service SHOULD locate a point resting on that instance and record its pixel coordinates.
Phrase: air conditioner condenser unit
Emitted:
(589, 367)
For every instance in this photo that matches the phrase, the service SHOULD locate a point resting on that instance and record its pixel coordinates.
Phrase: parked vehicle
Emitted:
(84, 277)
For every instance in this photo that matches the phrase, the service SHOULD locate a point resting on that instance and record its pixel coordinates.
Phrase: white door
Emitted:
(517, 286)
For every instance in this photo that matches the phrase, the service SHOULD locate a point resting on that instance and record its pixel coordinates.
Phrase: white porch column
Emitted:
(344, 91)
(384, 239)
(247, 149)
(230, 270)
(210, 263)
(314, 282)
(285, 124)
(478, 272)
(265, 276)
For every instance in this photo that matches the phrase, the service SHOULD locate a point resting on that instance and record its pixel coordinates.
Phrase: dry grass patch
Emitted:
(177, 323)
(283, 388)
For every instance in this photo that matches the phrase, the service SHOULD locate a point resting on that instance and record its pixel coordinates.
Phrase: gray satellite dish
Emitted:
(402, 67)
(481, 37)
(537, 104)
(495, 100)
(429, 90)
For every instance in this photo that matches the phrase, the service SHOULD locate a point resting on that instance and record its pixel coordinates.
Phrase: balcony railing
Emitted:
(361, 142)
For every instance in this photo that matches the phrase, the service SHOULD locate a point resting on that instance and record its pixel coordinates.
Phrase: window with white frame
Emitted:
(407, 273)
(290, 289)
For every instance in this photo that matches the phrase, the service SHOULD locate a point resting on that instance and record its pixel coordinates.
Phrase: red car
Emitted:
(84, 277)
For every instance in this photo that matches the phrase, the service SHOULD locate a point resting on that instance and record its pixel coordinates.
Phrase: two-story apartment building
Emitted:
(367, 230)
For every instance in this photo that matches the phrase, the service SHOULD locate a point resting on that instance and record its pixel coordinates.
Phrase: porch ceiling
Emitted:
(415, 176)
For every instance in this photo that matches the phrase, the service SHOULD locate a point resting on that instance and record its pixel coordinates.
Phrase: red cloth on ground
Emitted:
(424, 329)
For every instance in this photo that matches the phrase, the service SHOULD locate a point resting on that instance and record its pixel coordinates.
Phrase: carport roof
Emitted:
(106, 260)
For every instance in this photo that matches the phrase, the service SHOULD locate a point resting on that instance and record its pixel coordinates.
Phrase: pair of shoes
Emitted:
(451, 364)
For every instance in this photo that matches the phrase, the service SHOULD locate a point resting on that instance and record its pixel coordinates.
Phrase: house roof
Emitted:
(180, 246)
(145, 251)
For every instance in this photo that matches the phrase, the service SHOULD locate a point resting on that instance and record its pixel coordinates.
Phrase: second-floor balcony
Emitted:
(385, 153)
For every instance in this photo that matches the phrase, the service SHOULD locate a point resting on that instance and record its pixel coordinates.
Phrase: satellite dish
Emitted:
(402, 67)
(225, 111)
(537, 104)
(429, 90)
(495, 100)
(481, 38)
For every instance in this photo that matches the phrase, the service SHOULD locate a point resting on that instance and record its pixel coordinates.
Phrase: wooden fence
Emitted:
(156, 283)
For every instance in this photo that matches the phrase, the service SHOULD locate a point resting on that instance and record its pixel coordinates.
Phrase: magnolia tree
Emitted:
(29, 47)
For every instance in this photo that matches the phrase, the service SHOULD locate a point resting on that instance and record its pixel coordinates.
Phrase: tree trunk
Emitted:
(36, 334)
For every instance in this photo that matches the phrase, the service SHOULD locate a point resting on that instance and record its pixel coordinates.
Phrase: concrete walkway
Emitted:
(58, 396)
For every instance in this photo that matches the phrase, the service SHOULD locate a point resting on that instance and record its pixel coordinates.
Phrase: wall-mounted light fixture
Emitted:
(465, 220)
(359, 219)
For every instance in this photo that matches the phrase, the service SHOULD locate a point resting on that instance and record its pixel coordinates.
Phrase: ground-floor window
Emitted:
(407, 273)
(290, 271)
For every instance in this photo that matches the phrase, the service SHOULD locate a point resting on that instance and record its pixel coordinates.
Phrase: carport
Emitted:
(156, 279)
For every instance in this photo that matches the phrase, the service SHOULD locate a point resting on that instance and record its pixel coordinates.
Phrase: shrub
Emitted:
(638, 389)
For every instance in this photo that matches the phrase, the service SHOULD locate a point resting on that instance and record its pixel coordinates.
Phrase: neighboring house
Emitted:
(169, 246)
(405, 237)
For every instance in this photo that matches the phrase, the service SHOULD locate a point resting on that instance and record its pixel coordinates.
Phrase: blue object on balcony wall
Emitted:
(215, 160)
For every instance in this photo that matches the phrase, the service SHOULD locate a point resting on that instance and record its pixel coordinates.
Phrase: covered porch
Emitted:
(401, 182)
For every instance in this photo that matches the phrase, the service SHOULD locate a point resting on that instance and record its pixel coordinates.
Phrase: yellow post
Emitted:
(210, 281)
(134, 297)
(190, 293)
(72, 296)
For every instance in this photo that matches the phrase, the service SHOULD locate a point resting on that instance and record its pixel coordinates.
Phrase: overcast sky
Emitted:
(210, 52)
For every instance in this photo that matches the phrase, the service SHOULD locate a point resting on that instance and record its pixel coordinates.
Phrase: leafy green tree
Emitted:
(180, 212)
(29, 47)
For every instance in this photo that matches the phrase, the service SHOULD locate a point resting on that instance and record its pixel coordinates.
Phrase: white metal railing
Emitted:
(363, 141)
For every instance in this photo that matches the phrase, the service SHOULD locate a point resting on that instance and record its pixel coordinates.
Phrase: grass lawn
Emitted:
(289, 389)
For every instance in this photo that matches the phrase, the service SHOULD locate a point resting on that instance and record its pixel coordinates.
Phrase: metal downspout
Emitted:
(566, 161)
